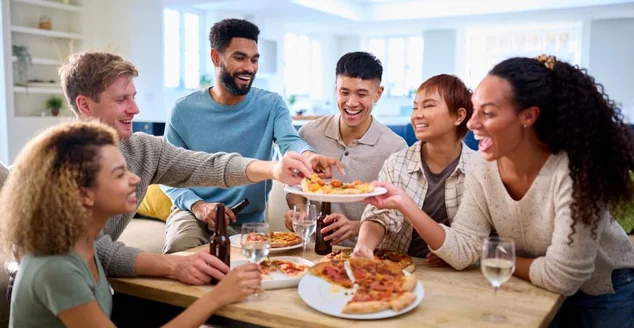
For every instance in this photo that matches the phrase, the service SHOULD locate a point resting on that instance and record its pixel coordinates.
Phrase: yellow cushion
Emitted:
(156, 204)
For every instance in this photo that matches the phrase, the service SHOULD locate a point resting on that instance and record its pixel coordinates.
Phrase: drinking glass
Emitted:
(304, 222)
(255, 243)
(498, 264)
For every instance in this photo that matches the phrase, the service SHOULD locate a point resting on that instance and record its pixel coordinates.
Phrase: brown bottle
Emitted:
(219, 243)
(240, 206)
(322, 247)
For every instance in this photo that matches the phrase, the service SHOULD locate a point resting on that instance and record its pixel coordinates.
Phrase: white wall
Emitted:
(5, 79)
(611, 60)
(440, 52)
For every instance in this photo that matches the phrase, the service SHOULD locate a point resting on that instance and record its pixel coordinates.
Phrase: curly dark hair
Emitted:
(578, 117)
(223, 31)
(360, 65)
(42, 213)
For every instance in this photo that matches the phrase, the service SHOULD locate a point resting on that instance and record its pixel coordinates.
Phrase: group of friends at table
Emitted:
(554, 154)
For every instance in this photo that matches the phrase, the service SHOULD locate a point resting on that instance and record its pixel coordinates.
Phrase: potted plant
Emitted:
(205, 81)
(23, 63)
(54, 104)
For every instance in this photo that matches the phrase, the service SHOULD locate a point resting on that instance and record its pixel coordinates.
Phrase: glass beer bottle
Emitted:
(237, 208)
(219, 243)
(322, 247)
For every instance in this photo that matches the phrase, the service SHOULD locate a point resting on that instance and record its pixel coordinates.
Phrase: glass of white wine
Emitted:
(304, 222)
(498, 264)
(256, 244)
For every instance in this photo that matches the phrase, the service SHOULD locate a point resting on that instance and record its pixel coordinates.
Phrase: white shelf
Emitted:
(46, 33)
(42, 61)
(51, 4)
(45, 120)
(38, 90)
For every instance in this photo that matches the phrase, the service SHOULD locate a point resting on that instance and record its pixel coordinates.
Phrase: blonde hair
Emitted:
(90, 73)
(42, 210)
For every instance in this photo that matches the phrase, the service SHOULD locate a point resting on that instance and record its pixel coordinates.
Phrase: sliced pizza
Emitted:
(277, 239)
(315, 184)
(333, 272)
(403, 260)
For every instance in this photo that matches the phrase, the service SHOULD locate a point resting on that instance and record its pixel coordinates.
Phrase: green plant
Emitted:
(205, 80)
(292, 99)
(23, 64)
(54, 104)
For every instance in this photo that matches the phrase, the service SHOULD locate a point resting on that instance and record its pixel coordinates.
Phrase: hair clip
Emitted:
(548, 61)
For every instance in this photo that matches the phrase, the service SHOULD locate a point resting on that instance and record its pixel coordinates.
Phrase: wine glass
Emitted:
(304, 221)
(256, 244)
(498, 264)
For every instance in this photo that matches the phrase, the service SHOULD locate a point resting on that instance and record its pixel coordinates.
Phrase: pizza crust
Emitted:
(366, 307)
(410, 268)
(409, 283)
(402, 301)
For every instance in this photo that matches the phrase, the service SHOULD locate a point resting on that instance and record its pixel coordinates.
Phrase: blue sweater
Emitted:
(250, 128)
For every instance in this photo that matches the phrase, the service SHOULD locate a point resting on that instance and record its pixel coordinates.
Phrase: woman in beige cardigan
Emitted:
(554, 154)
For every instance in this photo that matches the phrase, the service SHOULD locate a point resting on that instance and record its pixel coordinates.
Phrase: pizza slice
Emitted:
(367, 300)
(382, 286)
(403, 260)
(315, 184)
(289, 268)
(333, 272)
(277, 239)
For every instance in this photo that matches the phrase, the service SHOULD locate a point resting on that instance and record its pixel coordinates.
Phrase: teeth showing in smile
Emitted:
(126, 121)
(246, 78)
(421, 126)
(485, 142)
(352, 112)
(132, 197)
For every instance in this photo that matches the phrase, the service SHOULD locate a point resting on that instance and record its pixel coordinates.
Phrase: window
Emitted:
(402, 59)
(182, 43)
(487, 47)
(302, 66)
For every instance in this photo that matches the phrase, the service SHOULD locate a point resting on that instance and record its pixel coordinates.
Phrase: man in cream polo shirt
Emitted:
(352, 136)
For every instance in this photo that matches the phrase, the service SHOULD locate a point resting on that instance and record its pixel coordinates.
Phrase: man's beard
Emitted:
(229, 82)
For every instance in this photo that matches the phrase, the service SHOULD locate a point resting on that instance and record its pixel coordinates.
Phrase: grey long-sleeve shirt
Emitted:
(157, 162)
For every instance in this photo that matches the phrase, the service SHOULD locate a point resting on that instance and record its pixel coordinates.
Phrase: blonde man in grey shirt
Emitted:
(353, 136)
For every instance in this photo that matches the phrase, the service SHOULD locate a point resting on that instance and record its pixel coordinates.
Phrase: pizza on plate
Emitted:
(277, 239)
(403, 260)
(333, 272)
(381, 284)
(285, 267)
(315, 184)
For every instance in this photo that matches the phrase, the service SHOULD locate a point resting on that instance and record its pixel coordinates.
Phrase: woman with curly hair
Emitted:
(64, 186)
(555, 154)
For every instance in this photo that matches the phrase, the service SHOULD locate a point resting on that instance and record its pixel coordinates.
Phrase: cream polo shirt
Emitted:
(362, 159)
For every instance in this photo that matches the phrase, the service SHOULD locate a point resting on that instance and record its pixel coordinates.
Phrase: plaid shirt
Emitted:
(405, 170)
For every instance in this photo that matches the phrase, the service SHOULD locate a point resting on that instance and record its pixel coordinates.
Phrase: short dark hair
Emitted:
(361, 65)
(455, 94)
(223, 31)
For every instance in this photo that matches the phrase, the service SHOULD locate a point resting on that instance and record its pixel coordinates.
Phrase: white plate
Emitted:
(330, 299)
(334, 198)
(280, 280)
(235, 242)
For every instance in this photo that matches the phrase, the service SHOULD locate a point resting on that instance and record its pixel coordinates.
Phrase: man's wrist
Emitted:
(171, 266)
(195, 205)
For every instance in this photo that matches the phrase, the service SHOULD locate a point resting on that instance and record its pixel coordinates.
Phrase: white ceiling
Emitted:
(327, 12)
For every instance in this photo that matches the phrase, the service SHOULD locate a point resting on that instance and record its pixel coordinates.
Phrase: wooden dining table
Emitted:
(451, 298)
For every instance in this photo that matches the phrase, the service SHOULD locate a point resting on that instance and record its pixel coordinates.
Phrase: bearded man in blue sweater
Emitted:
(231, 116)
